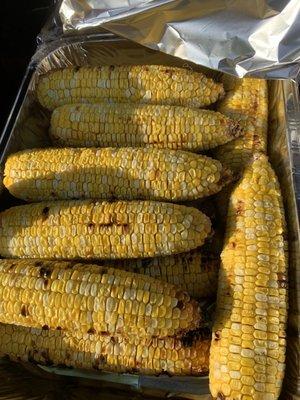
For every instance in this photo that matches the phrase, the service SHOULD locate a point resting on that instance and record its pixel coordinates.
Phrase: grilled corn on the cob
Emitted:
(247, 103)
(123, 125)
(90, 298)
(190, 271)
(247, 358)
(118, 173)
(89, 229)
(148, 84)
(186, 356)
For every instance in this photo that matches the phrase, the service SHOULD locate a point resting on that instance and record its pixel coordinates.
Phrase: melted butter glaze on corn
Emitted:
(108, 353)
(190, 271)
(247, 358)
(140, 125)
(89, 229)
(149, 84)
(247, 103)
(91, 298)
(118, 173)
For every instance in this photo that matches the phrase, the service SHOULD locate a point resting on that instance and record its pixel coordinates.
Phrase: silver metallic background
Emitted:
(240, 37)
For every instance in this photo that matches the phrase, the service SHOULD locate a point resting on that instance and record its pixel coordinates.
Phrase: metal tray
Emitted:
(27, 127)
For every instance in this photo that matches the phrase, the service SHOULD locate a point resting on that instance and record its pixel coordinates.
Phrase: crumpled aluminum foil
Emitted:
(240, 37)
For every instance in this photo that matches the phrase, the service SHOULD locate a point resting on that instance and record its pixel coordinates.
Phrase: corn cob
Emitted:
(247, 358)
(196, 275)
(148, 84)
(139, 125)
(87, 229)
(187, 356)
(112, 173)
(247, 103)
(90, 298)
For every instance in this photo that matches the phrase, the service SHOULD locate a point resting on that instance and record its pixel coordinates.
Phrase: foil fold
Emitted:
(241, 37)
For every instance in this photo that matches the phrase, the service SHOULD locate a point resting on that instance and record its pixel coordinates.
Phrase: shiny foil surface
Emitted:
(240, 37)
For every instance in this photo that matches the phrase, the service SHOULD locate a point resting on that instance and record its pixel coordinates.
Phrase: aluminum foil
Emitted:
(240, 37)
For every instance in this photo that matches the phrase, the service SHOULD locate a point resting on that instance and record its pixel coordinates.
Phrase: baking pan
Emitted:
(27, 127)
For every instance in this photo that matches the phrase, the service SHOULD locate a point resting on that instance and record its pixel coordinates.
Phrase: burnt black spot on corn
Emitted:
(44, 272)
(45, 213)
(24, 310)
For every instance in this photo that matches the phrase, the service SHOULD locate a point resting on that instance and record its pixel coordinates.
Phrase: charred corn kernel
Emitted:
(246, 102)
(105, 352)
(140, 125)
(149, 84)
(30, 231)
(124, 173)
(255, 218)
(195, 274)
(51, 279)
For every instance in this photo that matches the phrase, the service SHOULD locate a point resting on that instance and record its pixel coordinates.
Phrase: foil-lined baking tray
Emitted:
(27, 127)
